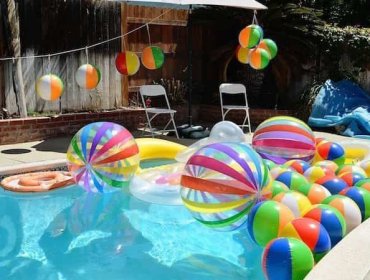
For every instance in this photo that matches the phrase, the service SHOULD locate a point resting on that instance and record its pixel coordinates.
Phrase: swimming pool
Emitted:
(71, 234)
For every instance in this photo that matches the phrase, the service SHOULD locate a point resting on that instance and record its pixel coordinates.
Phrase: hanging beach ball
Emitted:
(259, 58)
(270, 46)
(242, 55)
(49, 87)
(88, 76)
(250, 36)
(127, 63)
(152, 57)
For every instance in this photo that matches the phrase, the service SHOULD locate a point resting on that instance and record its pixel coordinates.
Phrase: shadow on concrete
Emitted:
(57, 145)
(15, 151)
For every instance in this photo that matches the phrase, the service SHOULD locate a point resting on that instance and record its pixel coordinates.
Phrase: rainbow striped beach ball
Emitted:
(283, 138)
(49, 87)
(152, 57)
(127, 63)
(221, 182)
(287, 259)
(250, 36)
(88, 76)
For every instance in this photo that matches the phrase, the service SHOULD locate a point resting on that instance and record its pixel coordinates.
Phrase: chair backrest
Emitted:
(153, 90)
(233, 89)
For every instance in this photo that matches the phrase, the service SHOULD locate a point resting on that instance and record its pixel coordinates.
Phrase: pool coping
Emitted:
(32, 167)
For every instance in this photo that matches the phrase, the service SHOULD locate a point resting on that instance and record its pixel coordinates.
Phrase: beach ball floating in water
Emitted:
(332, 183)
(250, 36)
(348, 208)
(242, 54)
(152, 57)
(295, 201)
(292, 179)
(282, 138)
(221, 182)
(332, 220)
(88, 76)
(311, 232)
(287, 259)
(269, 46)
(103, 156)
(49, 87)
(314, 192)
(298, 165)
(266, 220)
(327, 150)
(273, 189)
(258, 58)
(127, 63)
(361, 197)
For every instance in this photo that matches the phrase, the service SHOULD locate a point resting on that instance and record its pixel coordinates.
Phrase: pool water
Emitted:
(70, 234)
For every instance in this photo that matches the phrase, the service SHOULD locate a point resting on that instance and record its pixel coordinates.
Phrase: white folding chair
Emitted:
(235, 89)
(151, 113)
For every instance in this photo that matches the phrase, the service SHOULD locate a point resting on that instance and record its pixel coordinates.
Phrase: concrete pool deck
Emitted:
(350, 259)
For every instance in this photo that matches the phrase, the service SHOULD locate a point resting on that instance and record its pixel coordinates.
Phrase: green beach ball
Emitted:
(259, 58)
(270, 46)
(250, 36)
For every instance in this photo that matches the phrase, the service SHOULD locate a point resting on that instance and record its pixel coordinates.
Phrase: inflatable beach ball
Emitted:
(315, 192)
(349, 168)
(287, 259)
(292, 179)
(266, 221)
(250, 36)
(221, 182)
(299, 166)
(127, 63)
(103, 156)
(273, 189)
(242, 54)
(364, 183)
(258, 58)
(326, 150)
(295, 201)
(332, 183)
(283, 138)
(361, 197)
(269, 46)
(88, 76)
(152, 57)
(49, 87)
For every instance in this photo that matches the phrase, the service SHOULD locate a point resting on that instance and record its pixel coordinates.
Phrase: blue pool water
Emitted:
(69, 234)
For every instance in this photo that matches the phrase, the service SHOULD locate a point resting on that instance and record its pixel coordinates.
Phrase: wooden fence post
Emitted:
(124, 43)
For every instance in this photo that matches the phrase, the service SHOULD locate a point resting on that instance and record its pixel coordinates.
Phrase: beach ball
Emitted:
(103, 156)
(127, 63)
(361, 197)
(287, 259)
(292, 179)
(311, 232)
(365, 165)
(266, 220)
(277, 170)
(250, 36)
(49, 87)
(88, 76)
(152, 57)
(273, 189)
(314, 192)
(351, 178)
(221, 182)
(283, 138)
(315, 172)
(298, 165)
(270, 164)
(269, 46)
(295, 201)
(328, 164)
(349, 168)
(364, 183)
(258, 58)
(327, 150)
(348, 208)
(332, 220)
(332, 183)
(242, 54)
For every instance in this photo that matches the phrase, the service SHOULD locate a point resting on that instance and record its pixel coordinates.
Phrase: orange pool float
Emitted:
(37, 181)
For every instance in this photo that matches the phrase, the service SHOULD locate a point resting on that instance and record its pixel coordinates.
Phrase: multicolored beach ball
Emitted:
(283, 138)
(103, 156)
(327, 150)
(221, 182)
(242, 54)
(250, 36)
(298, 165)
(127, 63)
(152, 57)
(259, 58)
(269, 46)
(88, 76)
(287, 259)
(332, 183)
(49, 87)
(295, 201)
(361, 197)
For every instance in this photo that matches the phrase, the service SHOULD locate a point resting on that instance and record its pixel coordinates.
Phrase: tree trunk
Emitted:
(15, 46)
